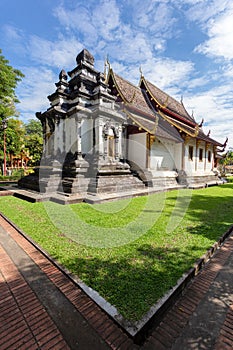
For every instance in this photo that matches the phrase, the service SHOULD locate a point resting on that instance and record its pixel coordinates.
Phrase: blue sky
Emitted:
(185, 47)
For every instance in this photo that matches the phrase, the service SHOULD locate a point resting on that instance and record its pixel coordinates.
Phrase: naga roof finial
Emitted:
(201, 123)
(107, 67)
(140, 70)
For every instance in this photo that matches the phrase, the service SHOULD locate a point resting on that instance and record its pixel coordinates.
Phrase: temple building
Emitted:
(106, 138)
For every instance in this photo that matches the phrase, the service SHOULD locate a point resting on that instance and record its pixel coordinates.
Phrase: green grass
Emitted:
(130, 251)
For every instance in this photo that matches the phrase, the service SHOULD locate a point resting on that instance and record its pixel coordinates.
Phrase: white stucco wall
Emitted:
(137, 149)
(201, 163)
(190, 165)
(178, 155)
(165, 155)
(209, 165)
(196, 166)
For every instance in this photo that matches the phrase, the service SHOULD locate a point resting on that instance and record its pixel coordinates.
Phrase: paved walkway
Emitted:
(41, 308)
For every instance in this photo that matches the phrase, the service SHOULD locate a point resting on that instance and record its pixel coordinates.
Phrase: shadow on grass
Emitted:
(134, 283)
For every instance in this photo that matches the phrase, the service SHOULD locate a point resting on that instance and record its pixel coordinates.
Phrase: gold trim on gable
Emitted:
(172, 122)
(150, 93)
(111, 73)
(140, 125)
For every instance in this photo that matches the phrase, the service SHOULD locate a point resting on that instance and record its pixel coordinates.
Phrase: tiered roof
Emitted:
(137, 107)
(133, 103)
(174, 112)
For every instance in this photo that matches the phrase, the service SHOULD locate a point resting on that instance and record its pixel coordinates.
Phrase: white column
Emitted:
(99, 146)
(120, 143)
(79, 133)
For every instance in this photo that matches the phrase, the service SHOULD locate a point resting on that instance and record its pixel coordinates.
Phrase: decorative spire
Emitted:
(107, 67)
(85, 56)
(208, 133)
(140, 70)
(181, 99)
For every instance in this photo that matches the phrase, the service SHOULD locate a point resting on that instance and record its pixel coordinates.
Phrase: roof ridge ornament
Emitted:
(140, 70)
(201, 123)
(165, 103)
(223, 146)
(107, 68)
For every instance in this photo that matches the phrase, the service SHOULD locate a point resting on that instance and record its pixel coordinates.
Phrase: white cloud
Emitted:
(156, 17)
(12, 33)
(203, 11)
(167, 73)
(61, 53)
(34, 89)
(92, 22)
(215, 107)
(220, 41)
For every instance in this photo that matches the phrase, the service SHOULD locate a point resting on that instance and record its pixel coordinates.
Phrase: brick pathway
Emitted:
(41, 308)
(24, 322)
(202, 318)
(44, 307)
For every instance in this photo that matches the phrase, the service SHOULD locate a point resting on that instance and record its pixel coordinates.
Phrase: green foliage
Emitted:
(16, 175)
(132, 276)
(14, 137)
(23, 138)
(34, 140)
(33, 127)
(230, 179)
(228, 158)
(8, 82)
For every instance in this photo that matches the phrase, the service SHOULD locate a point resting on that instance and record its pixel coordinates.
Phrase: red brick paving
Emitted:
(19, 328)
(99, 320)
(166, 333)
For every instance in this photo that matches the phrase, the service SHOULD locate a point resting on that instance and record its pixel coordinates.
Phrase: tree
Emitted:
(9, 78)
(15, 136)
(227, 158)
(34, 140)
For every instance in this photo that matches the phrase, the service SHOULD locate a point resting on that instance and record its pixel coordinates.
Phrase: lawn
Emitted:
(130, 251)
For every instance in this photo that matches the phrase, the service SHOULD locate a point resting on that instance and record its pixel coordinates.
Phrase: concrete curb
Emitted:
(139, 330)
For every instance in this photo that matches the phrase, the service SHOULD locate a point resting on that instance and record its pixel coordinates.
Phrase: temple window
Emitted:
(190, 152)
(200, 155)
(209, 156)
